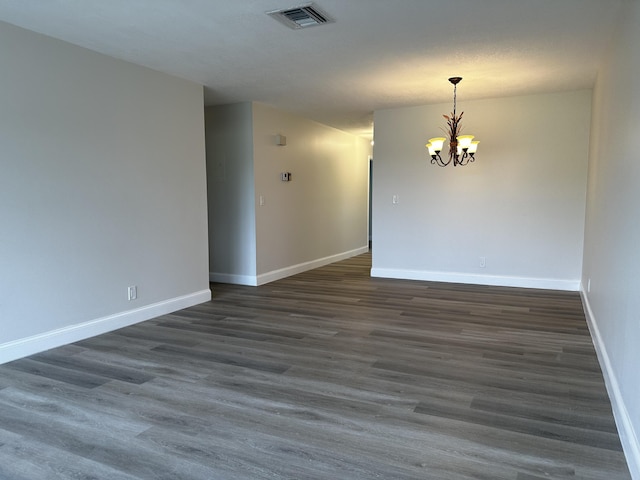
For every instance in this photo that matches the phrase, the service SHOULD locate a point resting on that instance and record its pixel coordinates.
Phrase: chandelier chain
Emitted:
(455, 89)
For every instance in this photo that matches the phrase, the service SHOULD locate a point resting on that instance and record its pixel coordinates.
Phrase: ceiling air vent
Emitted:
(304, 16)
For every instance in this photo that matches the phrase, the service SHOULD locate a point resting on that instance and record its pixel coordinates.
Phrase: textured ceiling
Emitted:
(378, 53)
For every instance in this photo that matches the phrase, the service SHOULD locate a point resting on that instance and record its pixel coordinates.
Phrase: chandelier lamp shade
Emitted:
(462, 148)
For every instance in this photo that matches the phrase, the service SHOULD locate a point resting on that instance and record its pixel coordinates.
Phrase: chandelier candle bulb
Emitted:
(465, 141)
(431, 149)
(437, 143)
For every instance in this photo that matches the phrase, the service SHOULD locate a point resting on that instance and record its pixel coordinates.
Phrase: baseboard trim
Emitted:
(249, 280)
(55, 338)
(303, 267)
(453, 277)
(628, 435)
(255, 280)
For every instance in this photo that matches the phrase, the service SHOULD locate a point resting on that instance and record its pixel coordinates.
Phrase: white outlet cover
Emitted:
(132, 292)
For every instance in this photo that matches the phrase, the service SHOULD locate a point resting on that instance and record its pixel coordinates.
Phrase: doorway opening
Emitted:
(370, 200)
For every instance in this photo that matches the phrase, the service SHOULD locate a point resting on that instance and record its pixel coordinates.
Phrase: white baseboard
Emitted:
(55, 338)
(255, 280)
(303, 267)
(628, 436)
(453, 277)
(249, 280)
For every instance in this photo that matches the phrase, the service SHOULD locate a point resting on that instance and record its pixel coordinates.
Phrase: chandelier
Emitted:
(462, 148)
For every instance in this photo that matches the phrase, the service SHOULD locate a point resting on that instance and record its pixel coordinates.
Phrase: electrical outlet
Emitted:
(483, 262)
(132, 292)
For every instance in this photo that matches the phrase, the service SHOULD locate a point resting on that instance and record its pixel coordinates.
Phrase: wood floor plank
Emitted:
(80, 364)
(329, 374)
(67, 375)
(24, 459)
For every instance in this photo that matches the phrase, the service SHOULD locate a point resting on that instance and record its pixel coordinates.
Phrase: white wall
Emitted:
(102, 186)
(321, 214)
(520, 204)
(232, 226)
(319, 217)
(612, 235)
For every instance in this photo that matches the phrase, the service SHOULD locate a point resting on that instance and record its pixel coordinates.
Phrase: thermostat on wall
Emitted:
(281, 140)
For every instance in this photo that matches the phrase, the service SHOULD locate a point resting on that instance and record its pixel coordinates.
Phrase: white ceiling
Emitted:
(378, 53)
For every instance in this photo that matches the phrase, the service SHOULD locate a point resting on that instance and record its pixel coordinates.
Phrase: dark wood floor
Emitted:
(328, 374)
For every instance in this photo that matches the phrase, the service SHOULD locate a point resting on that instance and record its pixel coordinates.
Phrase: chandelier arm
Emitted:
(466, 158)
(437, 160)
